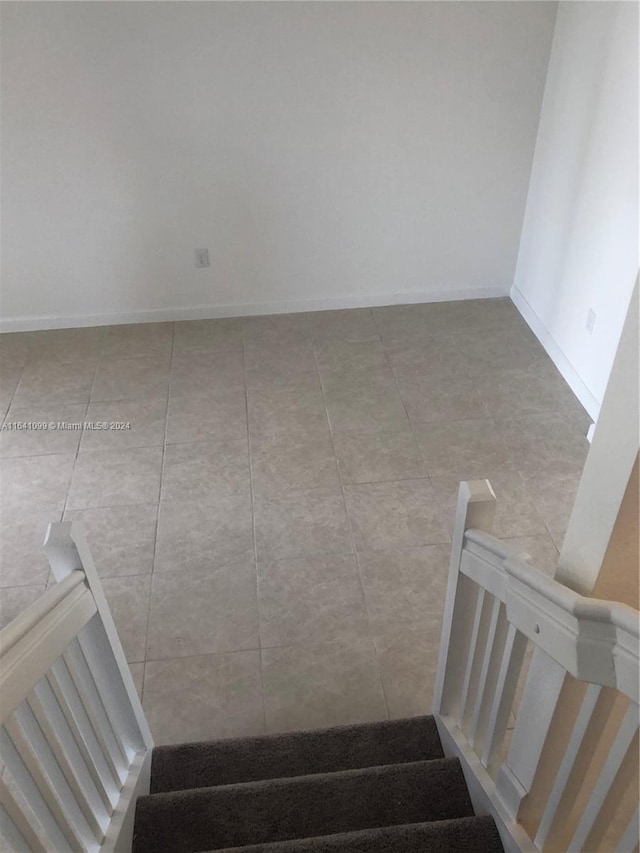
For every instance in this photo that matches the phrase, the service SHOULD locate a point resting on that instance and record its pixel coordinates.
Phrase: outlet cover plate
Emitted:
(201, 257)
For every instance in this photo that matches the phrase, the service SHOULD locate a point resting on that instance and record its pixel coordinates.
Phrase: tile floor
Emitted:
(273, 530)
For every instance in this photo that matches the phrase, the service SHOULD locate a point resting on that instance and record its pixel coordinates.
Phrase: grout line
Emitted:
(75, 458)
(429, 476)
(222, 652)
(353, 542)
(15, 391)
(157, 505)
(253, 531)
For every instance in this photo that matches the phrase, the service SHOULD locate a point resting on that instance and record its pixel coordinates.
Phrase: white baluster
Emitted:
(619, 768)
(475, 509)
(504, 696)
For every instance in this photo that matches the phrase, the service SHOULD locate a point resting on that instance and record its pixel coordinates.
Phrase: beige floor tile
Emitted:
(372, 406)
(542, 439)
(515, 393)
(428, 400)
(275, 329)
(204, 697)
(206, 373)
(403, 586)
(216, 416)
(301, 524)
(310, 600)
(343, 363)
(203, 470)
(138, 340)
(281, 412)
(499, 349)
(399, 324)
(115, 478)
(207, 335)
(129, 423)
(121, 538)
(552, 489)
(470, 314)
(27, 482)
(567, 404)
(128, 599)
(54, 429)
(325, 685)
(200, 613)
(408, 660)
(402, 514)
(281, 465)
(515, 513)
(9, 379)
(131, 379)
(471, 447)
(540, 551)
(379, 456)
(351, 324)
(47, 382)
(193, 535)
(557, 537)
(5, 402)
(22, 532)
(281, 367)
(14, 349)
(14, 600)
(437, 359)
(66, 345)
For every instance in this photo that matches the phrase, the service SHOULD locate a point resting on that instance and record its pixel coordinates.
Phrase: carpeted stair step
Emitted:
(462, 835)
(268, 811)
(224, 762)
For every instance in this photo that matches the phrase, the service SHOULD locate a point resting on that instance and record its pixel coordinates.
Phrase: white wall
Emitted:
(579, 247)
(327, 154)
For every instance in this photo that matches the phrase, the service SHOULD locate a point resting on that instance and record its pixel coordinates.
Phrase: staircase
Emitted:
(372, 788)
(79, 772)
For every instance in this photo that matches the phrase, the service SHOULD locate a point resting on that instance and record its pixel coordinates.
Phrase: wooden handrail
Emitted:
(597, 610)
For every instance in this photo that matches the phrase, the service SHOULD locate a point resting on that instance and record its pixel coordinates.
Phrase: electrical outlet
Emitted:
(201, 257)
(591, 321)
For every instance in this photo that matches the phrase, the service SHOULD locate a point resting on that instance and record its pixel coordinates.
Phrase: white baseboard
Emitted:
(556, 355)
(206, 312)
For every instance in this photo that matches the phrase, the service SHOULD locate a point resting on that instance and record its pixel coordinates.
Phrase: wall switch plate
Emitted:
(201, 257)
(591, 321)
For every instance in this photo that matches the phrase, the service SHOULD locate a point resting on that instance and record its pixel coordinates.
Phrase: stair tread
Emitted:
(222, 762)
(274, 810)
(458, 834)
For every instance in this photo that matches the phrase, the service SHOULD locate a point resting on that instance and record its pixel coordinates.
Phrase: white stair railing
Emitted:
(75, 748)
(560, 781)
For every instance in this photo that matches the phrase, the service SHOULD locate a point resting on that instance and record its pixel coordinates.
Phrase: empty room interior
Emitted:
(276, 278)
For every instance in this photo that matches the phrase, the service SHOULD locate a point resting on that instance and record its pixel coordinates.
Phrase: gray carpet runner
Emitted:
(378, 787)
